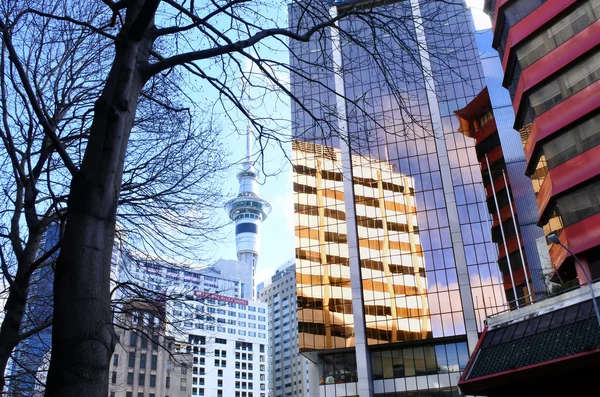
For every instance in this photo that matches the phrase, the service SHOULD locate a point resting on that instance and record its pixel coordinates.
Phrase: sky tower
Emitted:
(248, 210)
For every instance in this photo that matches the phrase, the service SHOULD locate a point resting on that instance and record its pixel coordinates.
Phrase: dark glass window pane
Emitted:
(508, 334)
(520, 331)
(463, 354)
(532, 326)
(398, 363)
(544, 322)
(132, 339)
(571, 314)
(557, 318)
(442, 360)
(376, 365)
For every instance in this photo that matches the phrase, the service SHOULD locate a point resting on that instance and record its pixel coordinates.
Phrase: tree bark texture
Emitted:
(83, 337)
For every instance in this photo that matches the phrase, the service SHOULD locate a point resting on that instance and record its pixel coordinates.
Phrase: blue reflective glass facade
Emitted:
(392, 228)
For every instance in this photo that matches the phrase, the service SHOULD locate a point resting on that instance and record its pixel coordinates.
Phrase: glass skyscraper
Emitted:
(394, 255)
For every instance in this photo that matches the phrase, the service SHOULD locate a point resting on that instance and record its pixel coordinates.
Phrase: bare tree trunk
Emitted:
(15, 305)
(83, 337)
(9, 333)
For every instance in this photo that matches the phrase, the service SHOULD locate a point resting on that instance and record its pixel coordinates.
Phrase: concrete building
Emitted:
(156, 275)
(288, 369)
(394, 253)
(228, 339)
(146, 362)
(551, 62)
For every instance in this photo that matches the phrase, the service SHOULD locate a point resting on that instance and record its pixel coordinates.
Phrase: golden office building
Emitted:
(391, 258)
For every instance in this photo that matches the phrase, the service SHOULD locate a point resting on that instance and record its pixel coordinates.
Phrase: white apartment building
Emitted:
(288, 374)
(228, 339)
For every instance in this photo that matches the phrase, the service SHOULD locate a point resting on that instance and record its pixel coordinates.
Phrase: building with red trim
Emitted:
(551, 67)
(549, 348)
(512, 227)
(550, 51)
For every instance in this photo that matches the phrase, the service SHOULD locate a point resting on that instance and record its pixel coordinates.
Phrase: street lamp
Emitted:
(553, 238)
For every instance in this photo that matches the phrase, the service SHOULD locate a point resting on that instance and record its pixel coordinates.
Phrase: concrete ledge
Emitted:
(544, 306)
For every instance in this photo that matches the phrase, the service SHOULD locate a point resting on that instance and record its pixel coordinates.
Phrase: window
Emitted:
(130, 378)
(563, 86)
(113, 378)
(579, 204)
(555, 35)
(152, 380)
(142, 361)
(140, 394)
(168, 382)
(183, 384)
(132, 339)
(115, 359)
(141, 379)
(573, 141)
(183, 369)
(154, 361)
(131, 361)
(129, 394)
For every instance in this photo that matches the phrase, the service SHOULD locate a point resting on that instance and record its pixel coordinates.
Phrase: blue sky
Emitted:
(277, 233)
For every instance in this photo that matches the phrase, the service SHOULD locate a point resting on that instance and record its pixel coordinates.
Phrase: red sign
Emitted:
(228, 299)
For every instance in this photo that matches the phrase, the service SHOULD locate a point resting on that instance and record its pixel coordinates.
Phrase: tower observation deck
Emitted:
(248, 210)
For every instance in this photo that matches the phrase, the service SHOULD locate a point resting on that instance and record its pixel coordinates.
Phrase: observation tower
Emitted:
(248, 211)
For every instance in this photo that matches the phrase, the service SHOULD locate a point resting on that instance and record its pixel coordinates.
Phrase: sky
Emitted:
(277, 234)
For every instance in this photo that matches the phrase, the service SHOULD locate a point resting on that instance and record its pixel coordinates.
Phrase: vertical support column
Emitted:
(442, 153)
(363, 359)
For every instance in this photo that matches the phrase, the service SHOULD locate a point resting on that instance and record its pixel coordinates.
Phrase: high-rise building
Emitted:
(551, 62)
(227, 337)
(393, 245)
(288, 369)
(510, 197)
(248, 211)
(207, 316)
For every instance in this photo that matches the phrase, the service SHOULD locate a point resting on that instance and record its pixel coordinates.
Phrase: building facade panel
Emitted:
(392, 243)
(552, 74)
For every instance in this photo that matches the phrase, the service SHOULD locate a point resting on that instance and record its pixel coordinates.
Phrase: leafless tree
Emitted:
(51, 74)
(143, 50)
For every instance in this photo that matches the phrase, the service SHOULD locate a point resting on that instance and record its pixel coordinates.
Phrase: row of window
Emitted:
(553, 36)
(142, 362)
(580, 203)
(513, 13)
(571, 142)
(200, 392)
(563, 86)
